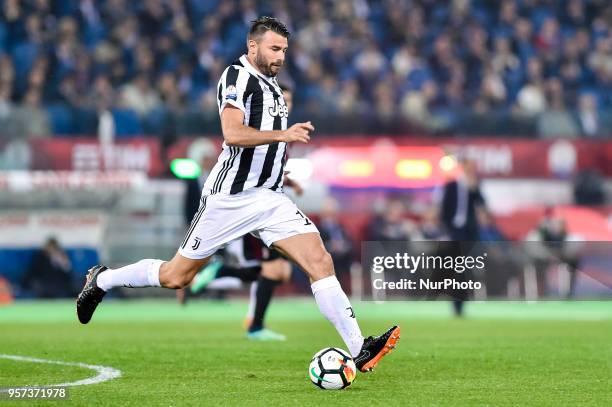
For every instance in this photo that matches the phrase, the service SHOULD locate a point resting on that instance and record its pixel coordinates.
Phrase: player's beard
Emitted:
(265, 66)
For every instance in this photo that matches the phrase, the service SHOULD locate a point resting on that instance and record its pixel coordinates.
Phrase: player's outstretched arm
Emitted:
(236, 133)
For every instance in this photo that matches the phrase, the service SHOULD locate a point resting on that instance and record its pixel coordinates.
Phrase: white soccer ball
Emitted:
(332, 369)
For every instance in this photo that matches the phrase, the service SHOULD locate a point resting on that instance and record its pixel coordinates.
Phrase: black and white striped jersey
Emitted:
(261, 100)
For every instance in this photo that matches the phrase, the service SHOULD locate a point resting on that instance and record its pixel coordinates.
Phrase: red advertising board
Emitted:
(495, 157)
(358, 160)
(85, 154)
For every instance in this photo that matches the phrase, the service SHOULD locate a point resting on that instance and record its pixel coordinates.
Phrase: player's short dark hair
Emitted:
(263, 24)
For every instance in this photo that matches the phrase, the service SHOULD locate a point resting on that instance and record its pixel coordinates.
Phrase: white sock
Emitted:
(145, 273)
(252, 299)
(225, 283)
(335, 305)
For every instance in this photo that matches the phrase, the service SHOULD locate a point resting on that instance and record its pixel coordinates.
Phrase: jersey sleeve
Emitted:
(232, 89)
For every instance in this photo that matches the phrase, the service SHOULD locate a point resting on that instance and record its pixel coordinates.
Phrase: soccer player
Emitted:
(247, 260)
(243, 194)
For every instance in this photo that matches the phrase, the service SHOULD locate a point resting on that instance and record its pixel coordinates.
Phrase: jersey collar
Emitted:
(247, 65)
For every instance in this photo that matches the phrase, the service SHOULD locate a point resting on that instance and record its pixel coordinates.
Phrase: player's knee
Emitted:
(178, 281)
(321, 265)
(175, 281)
(276, 270)
(175, 277)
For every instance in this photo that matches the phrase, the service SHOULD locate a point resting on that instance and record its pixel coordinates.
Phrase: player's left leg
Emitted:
(308, 252)
(287, 229)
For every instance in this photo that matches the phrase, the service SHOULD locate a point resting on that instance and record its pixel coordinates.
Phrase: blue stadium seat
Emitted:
(62, 120)
(2, 38)
(155, 121)
(14, 263)
(24, 55)
(85, 121)
(82, 259)
(127, 122)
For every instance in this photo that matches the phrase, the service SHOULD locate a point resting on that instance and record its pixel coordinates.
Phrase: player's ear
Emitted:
(251, 44)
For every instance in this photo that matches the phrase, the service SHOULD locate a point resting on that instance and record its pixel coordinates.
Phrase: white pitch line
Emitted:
(104, 373)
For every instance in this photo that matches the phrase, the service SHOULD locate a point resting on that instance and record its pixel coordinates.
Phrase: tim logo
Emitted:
(352, 312)
(196, 244)
(278, 109)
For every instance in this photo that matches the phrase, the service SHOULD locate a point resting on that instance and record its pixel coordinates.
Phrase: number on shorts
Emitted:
(307, 221)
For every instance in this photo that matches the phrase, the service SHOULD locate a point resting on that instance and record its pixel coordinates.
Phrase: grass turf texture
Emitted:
(500, 354)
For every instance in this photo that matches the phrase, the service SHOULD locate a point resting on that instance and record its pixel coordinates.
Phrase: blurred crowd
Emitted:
(519, 66)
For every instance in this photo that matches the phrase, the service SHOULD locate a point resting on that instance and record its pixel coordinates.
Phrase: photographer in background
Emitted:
(547, 247)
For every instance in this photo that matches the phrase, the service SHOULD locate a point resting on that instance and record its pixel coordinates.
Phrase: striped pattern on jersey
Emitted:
(261, 100)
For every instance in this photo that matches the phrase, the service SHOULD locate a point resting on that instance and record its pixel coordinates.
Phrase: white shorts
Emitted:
(268, 215)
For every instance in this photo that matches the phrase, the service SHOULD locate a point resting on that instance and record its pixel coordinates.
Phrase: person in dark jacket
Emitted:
(459, 203)
(49, 275)
(461, 199)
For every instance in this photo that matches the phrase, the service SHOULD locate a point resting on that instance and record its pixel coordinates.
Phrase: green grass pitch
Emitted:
(501, 354)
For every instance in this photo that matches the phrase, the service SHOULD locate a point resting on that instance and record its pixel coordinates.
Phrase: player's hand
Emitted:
(298, 132)
(297, 188)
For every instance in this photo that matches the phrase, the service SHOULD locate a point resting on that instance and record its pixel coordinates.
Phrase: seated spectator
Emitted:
(348, 99)
(557, 121)
(588, 116)
(488, 230)
(139, 96)
(504, 60)
(7, 117)
(384, 101)
(415, 107)
(170, 93)
(392, 225)
(435, 64)
(531, 100)
(32, 120)
(49, 275)
(547, 245)
(430, 227)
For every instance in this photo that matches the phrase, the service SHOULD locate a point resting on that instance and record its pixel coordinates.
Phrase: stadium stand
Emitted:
(532, 67)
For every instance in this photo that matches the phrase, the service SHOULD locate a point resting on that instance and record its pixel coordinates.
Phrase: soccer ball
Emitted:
(332, 369)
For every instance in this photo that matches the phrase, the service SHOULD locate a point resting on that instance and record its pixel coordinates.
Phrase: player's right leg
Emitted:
(176, 273)
(219, 220)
